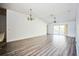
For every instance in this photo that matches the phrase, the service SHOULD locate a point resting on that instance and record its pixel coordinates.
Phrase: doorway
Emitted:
(60, 29)
(2, 27)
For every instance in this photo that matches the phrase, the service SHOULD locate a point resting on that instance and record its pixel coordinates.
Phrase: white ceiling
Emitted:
(62, 11)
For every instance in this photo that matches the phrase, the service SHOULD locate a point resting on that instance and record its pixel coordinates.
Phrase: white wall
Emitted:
(77, 31)
(71, 28)
(18, 27)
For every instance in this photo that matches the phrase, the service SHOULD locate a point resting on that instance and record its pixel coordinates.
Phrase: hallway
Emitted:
(50, 45)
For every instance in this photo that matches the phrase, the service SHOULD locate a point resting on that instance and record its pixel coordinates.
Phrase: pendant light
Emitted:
(53, 17)
(30, 16)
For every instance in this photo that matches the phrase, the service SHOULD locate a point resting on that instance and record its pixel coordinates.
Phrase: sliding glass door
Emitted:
(60, 29)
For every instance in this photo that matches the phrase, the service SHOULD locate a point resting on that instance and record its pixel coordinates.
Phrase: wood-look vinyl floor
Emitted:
(49, 45)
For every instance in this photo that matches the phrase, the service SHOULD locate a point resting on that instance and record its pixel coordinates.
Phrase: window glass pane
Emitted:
(56, 29)
(62, 29)
(59, 29)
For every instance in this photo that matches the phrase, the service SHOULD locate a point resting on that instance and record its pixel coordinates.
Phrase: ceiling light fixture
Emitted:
(30, 16)
(52, 16)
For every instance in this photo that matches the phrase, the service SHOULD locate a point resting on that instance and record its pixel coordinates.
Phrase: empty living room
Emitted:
(39, 29)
